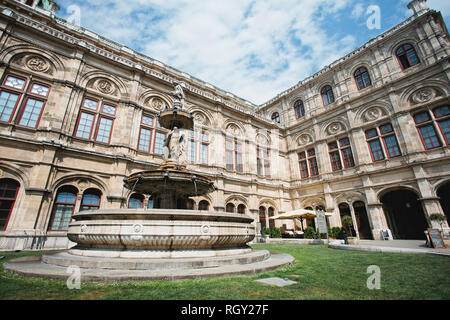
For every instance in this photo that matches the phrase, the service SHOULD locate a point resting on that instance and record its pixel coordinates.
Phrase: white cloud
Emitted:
(252, 48)
(358, 11)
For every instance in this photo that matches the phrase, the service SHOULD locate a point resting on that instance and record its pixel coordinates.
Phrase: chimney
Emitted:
(418, 6)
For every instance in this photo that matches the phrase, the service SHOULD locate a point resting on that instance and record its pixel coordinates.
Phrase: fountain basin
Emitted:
(159, 233)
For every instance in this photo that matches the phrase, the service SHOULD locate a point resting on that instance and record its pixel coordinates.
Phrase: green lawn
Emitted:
(322, 273)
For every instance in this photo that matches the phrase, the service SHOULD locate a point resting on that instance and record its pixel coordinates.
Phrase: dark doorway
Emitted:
(444, 194)
(404, 214)
(362, 220)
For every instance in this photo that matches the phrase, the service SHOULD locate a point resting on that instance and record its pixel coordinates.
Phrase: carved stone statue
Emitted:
(174, 146)
(178, 92)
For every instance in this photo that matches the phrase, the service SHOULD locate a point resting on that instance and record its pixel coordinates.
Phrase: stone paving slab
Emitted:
(42, 270)
(279, 282)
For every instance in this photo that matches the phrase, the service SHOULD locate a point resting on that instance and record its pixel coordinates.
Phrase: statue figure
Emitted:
(174, 146)
(178, 92)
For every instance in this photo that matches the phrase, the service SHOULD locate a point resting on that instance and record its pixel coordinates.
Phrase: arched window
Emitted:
(8, 193)
(276, 117)
(407, 56)
(91, 200)
(362, 78)
(63, 208)
(136, 201)
(241, 209)
(299, 109)
(327, 95)
(203, 205)
(230, 207)
(271, 212)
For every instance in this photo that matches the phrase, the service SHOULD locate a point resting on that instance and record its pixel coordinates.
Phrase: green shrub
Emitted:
(276, 233)
(334, 232)
(310, 233)
(266, 231)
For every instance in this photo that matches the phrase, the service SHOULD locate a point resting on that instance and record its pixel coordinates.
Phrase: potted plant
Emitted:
(310, 233)
(276, 233)
(265, 234)
(347, 222)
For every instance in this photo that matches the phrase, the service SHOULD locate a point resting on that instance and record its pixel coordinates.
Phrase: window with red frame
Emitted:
(145, 133)
(308, 164)
(95, 120)
(427, 122)
(91, 200)
(299, 109)
(160, 137)
(389, 146)
(198, 145)
(263, 161)
(233, 151)
(407, 56)
(341, 155)
(362, 78)
(8, 193)
(30, 95)
(327, 95)
(63, 208)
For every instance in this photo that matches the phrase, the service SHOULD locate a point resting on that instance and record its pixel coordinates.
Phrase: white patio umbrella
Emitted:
(299, 214)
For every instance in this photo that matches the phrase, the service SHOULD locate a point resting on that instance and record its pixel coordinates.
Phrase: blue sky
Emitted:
(252, 48)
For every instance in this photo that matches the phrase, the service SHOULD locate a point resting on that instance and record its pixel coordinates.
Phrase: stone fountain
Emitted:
(166, 242)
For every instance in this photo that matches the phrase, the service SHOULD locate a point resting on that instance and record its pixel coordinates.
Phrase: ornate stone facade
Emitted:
(84, 115)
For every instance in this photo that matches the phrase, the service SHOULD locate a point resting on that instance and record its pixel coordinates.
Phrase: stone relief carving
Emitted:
(334, 128)
(157, 104)
(105, 86)
(304, 139)
(36, 63)
(423, 95)
(233, 130)
(373, 114)
(200, 118)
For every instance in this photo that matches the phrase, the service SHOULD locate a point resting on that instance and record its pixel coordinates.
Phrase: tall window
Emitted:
(407, 56)
(8, 194)
(136, 201)
(233, 150)
(308, 164)
(427, 122)
(263, 161)
(389, 146)
(31, 95)
(362, 78)
(95, 121)
(341, 155)
(151, 135)
(91, 200)
(299, 109)
(327, 95)
(198, 146)
(63, 208)
(276, 117)
(241, 209)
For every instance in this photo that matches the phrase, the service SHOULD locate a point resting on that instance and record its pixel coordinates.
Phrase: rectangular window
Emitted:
(392, 146)
(376, 150)
(84, 127)
(31, 113)
(8, 103)
(145, 137)
(204, 153)
(335, 161)
(445, 127)
(347, 156)
(304, 169)
(192, 151)
(15, 82)
(313, 167)
(159, 142)
(238, 153)
(104, 130)
(429, 136)
(229, 146)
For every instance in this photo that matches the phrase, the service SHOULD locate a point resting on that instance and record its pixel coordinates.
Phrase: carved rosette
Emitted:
(334, 128)
(304, 140)
(423, 95)
(38, 64)
(373, 114)
(105, 86)
(157, 104)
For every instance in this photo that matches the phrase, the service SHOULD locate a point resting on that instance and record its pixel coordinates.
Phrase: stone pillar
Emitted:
(418, 6)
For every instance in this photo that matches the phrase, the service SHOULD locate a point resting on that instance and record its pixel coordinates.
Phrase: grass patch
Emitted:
(321, 273)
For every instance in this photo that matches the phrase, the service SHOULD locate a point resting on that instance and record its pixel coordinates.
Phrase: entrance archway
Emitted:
(362, 220)
(404, 214)
(444, 194)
